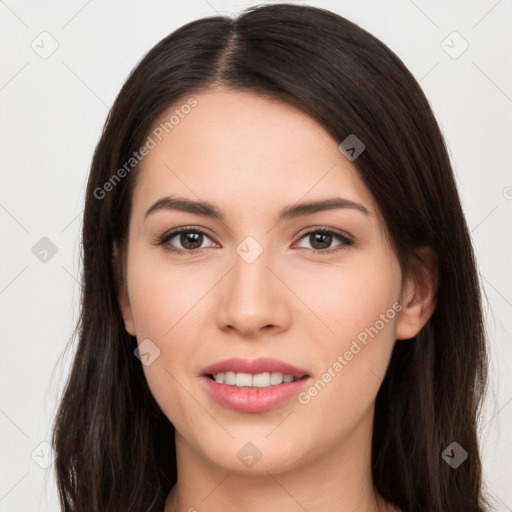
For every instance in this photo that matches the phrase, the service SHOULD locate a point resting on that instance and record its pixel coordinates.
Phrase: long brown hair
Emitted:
(114, 446)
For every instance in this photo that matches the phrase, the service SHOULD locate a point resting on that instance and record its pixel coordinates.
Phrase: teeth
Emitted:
(260, 380)
(243, 379)
(276, 378)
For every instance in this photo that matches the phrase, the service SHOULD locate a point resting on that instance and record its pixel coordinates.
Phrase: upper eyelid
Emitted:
(176, 231)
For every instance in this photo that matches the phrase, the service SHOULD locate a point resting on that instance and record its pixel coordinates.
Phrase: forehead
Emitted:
(255, 152)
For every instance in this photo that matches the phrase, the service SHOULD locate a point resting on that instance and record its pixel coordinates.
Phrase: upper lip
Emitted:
(254, 366)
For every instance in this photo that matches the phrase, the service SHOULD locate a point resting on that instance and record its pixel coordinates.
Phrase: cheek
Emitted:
(358, 307)
(162, 294)
(351, 297)
(168, 309)
(163, 309)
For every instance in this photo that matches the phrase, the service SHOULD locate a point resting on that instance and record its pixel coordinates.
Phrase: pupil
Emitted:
(191, 240)
(323, 238)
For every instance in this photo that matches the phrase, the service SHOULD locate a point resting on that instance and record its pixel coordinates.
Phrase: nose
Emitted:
(253, 300)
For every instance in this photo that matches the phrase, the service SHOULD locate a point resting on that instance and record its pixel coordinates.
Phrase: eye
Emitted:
(321, 240)
(191, 239)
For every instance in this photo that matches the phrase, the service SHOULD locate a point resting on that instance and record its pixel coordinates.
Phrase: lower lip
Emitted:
(246, 399)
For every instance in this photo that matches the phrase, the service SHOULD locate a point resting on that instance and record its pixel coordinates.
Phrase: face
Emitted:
(317, 289)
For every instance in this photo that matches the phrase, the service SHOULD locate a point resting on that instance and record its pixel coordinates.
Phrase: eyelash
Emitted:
(343, 238)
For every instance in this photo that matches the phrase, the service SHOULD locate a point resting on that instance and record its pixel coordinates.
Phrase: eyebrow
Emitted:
(289, 212)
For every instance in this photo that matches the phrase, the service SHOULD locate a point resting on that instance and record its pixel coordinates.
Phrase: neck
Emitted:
(337, 481)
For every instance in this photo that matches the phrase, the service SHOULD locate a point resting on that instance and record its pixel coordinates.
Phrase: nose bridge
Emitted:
(251, 274)
(251, 296)
(251, 277)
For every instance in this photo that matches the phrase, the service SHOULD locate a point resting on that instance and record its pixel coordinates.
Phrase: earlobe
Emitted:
(122, 292)
(418, 296)
(126, 311)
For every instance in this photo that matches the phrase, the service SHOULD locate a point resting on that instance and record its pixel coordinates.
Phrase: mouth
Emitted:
(253, 385)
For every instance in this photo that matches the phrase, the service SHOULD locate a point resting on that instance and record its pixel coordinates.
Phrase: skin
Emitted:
(251, 157)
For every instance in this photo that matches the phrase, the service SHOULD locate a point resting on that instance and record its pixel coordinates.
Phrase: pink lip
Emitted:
(248, 399)
(253, 366)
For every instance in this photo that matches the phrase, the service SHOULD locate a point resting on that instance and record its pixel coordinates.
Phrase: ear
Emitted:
(122, 290)
(418, 295)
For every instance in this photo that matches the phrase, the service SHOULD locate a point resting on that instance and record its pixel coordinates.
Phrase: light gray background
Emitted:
(52, 111)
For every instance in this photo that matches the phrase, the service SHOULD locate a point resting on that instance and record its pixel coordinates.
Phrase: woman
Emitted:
(280, 305)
